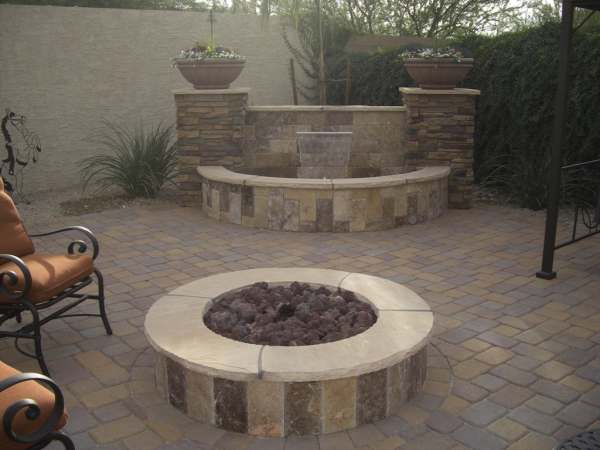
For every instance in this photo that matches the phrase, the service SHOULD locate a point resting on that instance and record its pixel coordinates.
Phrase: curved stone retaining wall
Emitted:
(339, 205)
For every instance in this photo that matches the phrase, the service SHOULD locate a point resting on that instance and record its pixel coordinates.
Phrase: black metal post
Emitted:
(547, 272)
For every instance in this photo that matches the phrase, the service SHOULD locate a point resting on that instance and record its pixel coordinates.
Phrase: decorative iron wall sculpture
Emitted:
(22, 147)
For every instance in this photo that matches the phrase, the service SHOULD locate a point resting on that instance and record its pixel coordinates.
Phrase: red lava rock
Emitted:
(297, 314)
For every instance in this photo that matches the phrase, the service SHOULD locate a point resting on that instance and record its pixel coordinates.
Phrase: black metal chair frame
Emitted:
(20, 302)
(45, 433)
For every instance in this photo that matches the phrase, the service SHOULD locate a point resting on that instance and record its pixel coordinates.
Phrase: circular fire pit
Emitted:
(276, 390)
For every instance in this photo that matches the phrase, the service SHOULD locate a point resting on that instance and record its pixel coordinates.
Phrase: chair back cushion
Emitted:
(14, 239)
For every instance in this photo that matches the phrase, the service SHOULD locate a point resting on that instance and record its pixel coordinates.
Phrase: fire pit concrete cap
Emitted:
(175, 328)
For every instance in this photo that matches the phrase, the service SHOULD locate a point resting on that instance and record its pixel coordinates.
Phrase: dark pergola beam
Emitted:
(558, 138)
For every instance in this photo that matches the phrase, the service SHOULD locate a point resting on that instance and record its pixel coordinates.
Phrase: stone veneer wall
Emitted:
(377, 136)
(436, 129)
(209, 131)
(439, 131)
(278, 409)
(341, 205)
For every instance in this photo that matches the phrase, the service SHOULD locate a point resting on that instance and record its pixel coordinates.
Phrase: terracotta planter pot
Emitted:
(438, 73)
(210, 73)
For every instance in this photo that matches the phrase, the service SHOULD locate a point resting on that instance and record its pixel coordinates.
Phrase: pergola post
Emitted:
(547, 272)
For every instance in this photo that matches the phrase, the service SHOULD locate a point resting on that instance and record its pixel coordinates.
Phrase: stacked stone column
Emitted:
(209, 131)
(439, 132)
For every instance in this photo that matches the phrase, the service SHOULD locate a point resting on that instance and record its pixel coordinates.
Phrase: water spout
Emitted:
(324, 154)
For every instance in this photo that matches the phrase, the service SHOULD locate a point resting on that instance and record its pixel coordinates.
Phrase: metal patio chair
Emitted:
(32, 410)
(31, 282)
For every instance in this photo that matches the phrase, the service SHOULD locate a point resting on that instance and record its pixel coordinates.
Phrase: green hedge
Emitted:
(375, 80)
(517, 74)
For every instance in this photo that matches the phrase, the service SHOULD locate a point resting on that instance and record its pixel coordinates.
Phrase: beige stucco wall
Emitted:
(67, 69)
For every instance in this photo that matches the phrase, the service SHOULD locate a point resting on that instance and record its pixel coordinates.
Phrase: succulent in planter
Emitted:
(209, 66)
(429, 53)
(207, 51)
(436, 68)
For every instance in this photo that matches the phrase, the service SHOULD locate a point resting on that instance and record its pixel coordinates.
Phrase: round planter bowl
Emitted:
(438, 73)
(210, 73)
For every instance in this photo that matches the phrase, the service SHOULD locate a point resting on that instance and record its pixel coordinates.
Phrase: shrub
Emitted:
(517, 75)
(139, 162)
(375, 79)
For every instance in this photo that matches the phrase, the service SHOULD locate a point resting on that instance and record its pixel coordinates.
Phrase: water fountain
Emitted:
(324, 154)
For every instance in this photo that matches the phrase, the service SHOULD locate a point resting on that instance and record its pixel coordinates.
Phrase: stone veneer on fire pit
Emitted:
(276, 391)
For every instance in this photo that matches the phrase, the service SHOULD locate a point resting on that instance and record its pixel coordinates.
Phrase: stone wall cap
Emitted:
(325, 133)
(395, 336)
(189, 91)
(325, 108)
(423, 175)
(174, 327)
(427, 174)
(403, 327)
(223, 175)
(291, 183)
(457, 91)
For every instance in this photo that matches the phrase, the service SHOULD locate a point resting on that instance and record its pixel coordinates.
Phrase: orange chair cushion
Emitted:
(14, 239)
(22, 425)
(51, 274)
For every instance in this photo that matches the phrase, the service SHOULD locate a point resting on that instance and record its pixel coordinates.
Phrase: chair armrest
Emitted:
(9, 279)
(81, 245)
(47, 431)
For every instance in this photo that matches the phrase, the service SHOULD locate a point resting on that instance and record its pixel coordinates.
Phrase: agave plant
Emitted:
(138, 161)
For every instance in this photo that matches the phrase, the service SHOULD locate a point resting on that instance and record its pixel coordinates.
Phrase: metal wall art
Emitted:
(22, 147)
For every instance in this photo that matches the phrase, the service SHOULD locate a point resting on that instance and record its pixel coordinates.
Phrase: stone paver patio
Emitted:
(515, 362)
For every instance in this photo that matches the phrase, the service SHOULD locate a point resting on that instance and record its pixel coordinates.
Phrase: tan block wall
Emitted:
(67, 69)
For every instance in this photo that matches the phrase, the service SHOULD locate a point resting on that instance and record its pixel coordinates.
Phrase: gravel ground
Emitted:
(44, 208)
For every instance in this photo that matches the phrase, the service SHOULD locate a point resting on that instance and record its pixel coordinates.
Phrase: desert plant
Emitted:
(201, 51)
(375, 79)
(432, 53)
(517, 76)
(137, 161)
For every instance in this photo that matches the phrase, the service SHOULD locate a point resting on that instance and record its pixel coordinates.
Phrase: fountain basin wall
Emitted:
(434, 128)
(312, 205)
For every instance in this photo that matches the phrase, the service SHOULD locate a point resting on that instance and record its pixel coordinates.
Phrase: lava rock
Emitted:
(297, 314)
(224, 320)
